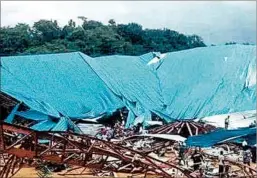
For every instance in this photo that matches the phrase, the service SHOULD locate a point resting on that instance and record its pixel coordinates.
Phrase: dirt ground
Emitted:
(30, 172)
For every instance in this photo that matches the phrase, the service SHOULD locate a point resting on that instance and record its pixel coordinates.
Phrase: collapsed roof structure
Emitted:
(53, 90)
(179, 85)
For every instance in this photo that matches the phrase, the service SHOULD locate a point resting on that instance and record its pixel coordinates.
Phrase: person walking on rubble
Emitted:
(253, 151)
(197, 159)
(227, 122)
(221, 164)
(247, 156)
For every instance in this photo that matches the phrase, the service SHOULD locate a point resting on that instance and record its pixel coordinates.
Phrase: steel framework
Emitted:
(20, 145)
(184, 128)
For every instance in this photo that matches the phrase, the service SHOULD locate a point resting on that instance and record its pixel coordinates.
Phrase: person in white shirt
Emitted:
(141, 129)
(244, 144)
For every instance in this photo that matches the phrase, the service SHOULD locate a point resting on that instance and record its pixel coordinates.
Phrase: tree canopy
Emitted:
(92, 38)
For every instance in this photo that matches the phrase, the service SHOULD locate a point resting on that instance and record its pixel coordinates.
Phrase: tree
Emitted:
(195, 41)
(68, 29)
(71, 23)
(132, 32)
(112, 22)
(82, 18)
(47, 30)
(91, 25)
(93, 38)
(14, 40)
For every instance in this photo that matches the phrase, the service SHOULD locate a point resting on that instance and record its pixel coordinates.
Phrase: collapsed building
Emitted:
(52, 92)
(180, 85)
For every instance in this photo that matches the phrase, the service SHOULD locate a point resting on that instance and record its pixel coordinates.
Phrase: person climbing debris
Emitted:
(197, 159)
(227, 122)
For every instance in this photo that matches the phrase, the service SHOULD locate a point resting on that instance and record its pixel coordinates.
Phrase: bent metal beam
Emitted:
(20, 143)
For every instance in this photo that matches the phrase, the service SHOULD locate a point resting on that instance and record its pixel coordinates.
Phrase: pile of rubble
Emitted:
(162, 155)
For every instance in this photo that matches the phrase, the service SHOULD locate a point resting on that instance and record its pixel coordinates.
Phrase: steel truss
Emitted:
(183, 128)
(20, 145)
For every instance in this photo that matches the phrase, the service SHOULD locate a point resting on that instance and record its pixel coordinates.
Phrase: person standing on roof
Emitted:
(227, 122)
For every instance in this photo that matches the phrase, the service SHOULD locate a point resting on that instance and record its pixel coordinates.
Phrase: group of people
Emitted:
(198, 159)
(118, 131)
(196, 156)
(106, 133)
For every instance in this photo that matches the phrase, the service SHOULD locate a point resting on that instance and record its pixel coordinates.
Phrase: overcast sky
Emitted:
(217, 22)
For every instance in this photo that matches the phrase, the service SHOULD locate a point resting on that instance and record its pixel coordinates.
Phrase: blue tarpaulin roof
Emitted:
(62, 124)
(45, 125)
(250, 139)
(11, 116)
(32, 115)
(57, 83)
(209, 81)
(130, 79)
(218, 136)
(182, 85)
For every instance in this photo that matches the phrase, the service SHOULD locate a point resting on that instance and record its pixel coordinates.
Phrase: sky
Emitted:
(216, 22)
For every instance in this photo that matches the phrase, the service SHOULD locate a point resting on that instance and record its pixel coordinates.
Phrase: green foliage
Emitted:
(14, 40)
(92, 38)
(46, 30)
